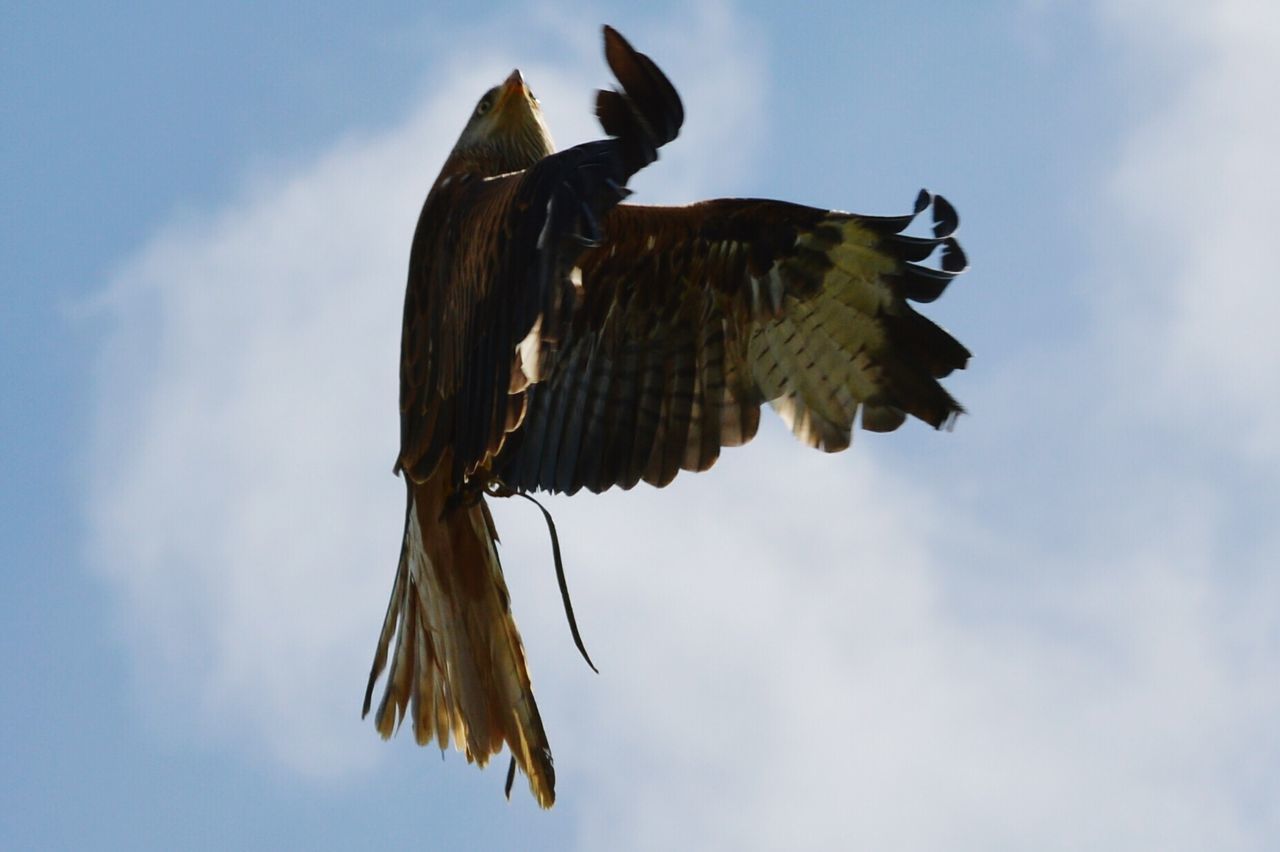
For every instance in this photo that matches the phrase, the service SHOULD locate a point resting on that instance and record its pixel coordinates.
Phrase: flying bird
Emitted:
(555, 339)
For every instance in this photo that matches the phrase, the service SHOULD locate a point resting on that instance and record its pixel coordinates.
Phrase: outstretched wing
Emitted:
(490, 261)
(689, 318)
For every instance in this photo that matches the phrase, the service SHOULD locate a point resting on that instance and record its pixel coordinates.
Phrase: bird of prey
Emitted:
(555, 339)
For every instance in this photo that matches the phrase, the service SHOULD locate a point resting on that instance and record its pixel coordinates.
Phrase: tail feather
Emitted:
(458, 669)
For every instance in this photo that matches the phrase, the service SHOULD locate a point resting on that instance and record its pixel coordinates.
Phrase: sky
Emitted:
(1055, 627)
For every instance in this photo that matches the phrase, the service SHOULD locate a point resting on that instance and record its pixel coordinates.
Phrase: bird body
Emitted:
(555, 339)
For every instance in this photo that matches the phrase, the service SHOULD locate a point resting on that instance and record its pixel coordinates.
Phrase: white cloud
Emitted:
(1197, 184)
(782, 668)
(242, 503)
(785, 662)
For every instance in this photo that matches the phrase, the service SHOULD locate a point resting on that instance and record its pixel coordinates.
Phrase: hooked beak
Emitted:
(513, 86)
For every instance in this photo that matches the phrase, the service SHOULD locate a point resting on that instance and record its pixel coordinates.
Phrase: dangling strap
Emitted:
(564, 587)
(497, 489)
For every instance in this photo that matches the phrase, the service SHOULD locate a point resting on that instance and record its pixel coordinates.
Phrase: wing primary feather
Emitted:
(927, 343)
(711, 355)
(896, 224)
(591, 456)
(908, 248)
(648, 90)
(532, 439)
(651, 471)
(692, 452)
(679, 397)
(945, 218)
(621, 424)
(648, 417)
(922, 202)
(562, 397)
(567, 478)
(882, 418)
(922, 284)
(953, 257)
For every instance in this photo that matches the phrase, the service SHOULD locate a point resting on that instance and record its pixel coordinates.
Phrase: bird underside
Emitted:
(556, 339)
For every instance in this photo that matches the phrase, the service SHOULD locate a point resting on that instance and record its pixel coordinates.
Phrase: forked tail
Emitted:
(458, 667)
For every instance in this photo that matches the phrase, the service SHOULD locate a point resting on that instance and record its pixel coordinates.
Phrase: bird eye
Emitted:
(486, 103)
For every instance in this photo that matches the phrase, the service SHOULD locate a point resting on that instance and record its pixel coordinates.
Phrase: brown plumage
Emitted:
(554, 339)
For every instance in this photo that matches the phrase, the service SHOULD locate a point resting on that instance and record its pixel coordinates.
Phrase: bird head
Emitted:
(505, 133)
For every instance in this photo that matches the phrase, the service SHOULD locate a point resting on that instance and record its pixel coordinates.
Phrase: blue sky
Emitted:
(1056, 627)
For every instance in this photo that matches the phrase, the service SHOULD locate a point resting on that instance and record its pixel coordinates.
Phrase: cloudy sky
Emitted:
(1057, 627)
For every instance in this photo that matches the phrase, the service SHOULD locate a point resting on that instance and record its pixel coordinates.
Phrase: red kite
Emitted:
(555, 339)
